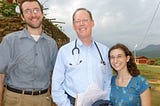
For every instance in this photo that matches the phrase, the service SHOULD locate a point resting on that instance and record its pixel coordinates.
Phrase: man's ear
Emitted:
(22, 17)
(93, 23)
(73, 26)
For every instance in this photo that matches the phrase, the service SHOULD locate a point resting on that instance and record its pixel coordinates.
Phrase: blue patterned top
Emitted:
(130, 95)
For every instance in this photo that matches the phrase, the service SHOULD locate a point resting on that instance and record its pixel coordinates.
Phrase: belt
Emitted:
(33, 92)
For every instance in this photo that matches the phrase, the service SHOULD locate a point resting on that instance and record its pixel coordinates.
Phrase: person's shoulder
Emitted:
(49, 38)
(67, 45)
(101, 44)
(140, 77)
(141, 83)
(66, 48)
(13, 34)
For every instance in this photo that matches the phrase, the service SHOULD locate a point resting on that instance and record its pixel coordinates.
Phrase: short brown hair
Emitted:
(23, 1)
(90, 14)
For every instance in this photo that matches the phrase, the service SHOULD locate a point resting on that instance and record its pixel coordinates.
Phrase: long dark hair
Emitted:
(131, 65)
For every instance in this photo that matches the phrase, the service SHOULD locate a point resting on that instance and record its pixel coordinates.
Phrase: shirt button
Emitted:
(36, 54)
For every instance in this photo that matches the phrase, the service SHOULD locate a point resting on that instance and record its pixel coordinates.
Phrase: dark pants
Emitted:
(97, 103)
(102, 103)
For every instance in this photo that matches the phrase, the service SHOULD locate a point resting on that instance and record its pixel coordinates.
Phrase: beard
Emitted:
(33, 21)
(34, 26)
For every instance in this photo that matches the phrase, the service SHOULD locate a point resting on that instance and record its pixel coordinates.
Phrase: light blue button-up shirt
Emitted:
(26, 63)
(74, 73)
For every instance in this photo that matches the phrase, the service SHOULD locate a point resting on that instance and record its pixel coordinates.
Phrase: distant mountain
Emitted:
(151, 51)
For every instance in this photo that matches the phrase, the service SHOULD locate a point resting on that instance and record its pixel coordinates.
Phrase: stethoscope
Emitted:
(78, 51)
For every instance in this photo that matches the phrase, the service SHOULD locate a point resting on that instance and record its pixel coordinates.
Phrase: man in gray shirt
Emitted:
(27, 59)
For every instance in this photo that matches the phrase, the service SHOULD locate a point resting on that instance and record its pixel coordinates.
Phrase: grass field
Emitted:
(152, 73)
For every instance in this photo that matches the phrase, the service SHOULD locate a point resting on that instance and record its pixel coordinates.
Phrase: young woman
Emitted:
(128, 87)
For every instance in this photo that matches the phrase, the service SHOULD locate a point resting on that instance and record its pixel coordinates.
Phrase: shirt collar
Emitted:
(80, 43)
(27, 34)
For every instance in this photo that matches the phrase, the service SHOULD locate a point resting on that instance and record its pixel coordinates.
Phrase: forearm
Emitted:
(1, 87)
(146, 98)
(58, 93)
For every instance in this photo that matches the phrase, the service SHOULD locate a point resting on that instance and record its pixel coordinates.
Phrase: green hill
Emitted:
(151, 51)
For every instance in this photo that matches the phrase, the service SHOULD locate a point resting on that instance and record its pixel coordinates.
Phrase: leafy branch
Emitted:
(7, 9)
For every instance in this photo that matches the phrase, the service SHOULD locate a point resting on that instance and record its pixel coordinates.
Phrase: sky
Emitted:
(134, 23)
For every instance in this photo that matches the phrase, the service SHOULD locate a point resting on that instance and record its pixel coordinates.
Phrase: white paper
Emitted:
(92, 94)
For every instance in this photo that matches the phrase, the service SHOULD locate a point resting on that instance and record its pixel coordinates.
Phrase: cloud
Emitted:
(124, 21)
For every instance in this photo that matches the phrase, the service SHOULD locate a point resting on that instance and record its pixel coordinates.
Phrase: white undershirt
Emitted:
(35, 37)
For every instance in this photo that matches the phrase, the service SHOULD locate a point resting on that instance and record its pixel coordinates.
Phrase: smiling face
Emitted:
(32, 14)
(118, 59)
(83, 24)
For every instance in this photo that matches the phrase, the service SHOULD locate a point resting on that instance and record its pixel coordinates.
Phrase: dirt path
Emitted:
(155, 82)
(154, 66)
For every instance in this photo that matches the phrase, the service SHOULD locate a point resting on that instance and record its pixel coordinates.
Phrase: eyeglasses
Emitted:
(81, 21)
(30, 11)
(116, 57)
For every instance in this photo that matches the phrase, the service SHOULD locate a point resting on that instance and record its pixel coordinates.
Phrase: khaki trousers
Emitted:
(15, 99)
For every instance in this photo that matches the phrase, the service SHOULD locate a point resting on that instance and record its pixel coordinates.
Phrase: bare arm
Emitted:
(146, 98)
(1, 87)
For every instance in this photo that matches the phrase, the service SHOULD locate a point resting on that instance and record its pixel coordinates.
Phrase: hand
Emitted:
(76, 101)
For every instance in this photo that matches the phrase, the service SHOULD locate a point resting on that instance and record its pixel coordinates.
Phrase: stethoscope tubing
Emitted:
(76, 48)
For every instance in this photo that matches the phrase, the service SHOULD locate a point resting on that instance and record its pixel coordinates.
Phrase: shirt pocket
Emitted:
(101, 67)
(73, 67)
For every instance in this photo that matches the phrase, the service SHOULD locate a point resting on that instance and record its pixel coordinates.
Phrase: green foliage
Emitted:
(149, 71)
(152, 73)
(7, 9)
(59, 26)
(155, 94)
(157, 61)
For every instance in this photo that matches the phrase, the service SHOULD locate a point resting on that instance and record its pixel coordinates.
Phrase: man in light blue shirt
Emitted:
(80, 63)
